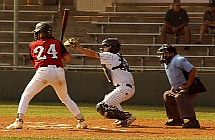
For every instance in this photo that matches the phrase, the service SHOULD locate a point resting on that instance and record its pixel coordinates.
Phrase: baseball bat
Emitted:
(64, 23)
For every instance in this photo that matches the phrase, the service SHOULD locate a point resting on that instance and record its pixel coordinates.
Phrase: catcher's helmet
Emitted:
(166, 48)
(42, 29)
(113, 43)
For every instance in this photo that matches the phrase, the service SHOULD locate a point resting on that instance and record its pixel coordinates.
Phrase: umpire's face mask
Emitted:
(166, 57)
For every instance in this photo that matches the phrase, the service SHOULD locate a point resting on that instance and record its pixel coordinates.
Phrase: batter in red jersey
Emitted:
(47, 54)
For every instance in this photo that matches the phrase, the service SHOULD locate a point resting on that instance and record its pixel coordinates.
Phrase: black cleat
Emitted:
(174, 122)
(191, 124)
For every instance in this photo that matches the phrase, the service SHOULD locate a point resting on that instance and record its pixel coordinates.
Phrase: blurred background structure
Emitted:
(135, 23)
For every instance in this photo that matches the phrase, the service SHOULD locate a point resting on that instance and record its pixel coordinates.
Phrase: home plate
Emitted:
(44, 125)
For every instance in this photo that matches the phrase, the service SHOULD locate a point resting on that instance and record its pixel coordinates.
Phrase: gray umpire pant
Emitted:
(178, 104)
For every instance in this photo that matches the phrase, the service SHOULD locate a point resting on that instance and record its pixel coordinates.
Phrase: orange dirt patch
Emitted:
(102, 128)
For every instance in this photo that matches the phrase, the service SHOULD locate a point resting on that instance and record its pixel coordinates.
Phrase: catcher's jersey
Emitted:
(47, 51)
(118, 67)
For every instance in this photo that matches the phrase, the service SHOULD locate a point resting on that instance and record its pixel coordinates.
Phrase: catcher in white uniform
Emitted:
(117, 71)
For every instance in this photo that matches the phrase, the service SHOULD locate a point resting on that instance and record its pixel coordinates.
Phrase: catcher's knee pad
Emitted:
(101, 108)
(111, 112)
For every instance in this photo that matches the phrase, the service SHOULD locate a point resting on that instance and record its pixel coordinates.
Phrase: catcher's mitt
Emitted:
(73, 42)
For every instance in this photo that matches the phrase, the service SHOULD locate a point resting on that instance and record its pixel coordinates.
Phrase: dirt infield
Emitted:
(103, 128)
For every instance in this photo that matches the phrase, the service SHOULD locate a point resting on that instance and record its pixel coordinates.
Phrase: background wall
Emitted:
(92, 86)
(158, 1)
(92, 5)
(35, 2)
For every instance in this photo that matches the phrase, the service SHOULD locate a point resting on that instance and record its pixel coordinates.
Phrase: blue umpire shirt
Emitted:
(174, 70)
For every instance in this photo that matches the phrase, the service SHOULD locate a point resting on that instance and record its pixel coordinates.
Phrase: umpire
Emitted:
(177, 100)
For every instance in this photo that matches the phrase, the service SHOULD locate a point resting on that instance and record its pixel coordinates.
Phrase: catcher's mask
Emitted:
(111, 45)
(165, 51)
(42, 29)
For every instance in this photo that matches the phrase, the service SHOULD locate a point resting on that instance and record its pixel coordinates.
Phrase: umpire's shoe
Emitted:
(174, 122)
(15, 125)
(191, 124)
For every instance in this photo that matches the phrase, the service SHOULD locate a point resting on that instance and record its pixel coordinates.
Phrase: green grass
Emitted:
(88, 110)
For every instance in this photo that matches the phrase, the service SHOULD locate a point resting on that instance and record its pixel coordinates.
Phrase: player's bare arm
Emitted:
(74, 43)
(87, 52)
(67, 58)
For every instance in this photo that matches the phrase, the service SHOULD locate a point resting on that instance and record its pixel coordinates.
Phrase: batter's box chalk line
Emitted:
(45, 125)
(107, 129)
(5, 130)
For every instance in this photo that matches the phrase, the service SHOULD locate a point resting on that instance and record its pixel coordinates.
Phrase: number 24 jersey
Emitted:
(47, 51)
